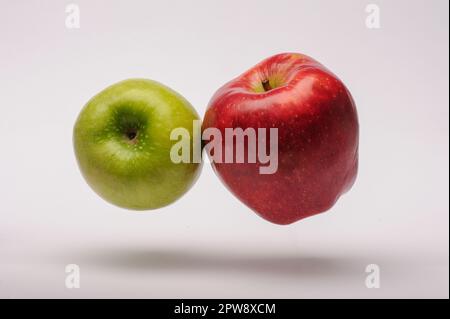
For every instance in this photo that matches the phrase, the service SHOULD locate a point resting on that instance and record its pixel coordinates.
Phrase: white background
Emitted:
(208, 244)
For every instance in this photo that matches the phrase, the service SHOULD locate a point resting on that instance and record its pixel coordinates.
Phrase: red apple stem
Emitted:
(266, 85)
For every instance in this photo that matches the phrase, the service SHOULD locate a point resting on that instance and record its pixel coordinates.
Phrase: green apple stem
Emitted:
(266, 85)
(131, 135)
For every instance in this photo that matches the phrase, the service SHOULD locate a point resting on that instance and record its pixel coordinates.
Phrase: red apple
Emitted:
(317, 136)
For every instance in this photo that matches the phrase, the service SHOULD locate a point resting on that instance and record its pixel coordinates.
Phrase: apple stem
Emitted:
(266, 85)
(131, 135)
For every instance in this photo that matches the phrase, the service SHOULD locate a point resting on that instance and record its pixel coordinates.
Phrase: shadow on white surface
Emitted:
(150, 260)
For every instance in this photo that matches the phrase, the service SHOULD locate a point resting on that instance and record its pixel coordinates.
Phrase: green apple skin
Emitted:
(122, 144)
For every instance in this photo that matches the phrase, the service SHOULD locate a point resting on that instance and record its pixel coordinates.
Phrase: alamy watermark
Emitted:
(73, 276)
(373, 16)
(239, 145)
(373, 277)
(73, 16)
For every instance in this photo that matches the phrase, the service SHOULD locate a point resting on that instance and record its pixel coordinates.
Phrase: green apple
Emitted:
(122, 144)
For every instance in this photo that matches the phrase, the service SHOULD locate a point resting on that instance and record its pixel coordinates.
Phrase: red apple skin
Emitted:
(318, 135)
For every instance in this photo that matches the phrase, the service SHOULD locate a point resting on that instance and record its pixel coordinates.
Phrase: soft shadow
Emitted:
(204, 261)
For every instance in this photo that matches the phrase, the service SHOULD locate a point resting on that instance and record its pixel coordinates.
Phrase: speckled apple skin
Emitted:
(318, 134)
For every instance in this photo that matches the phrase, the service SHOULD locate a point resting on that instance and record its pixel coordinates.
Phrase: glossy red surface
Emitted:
(317, 136)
